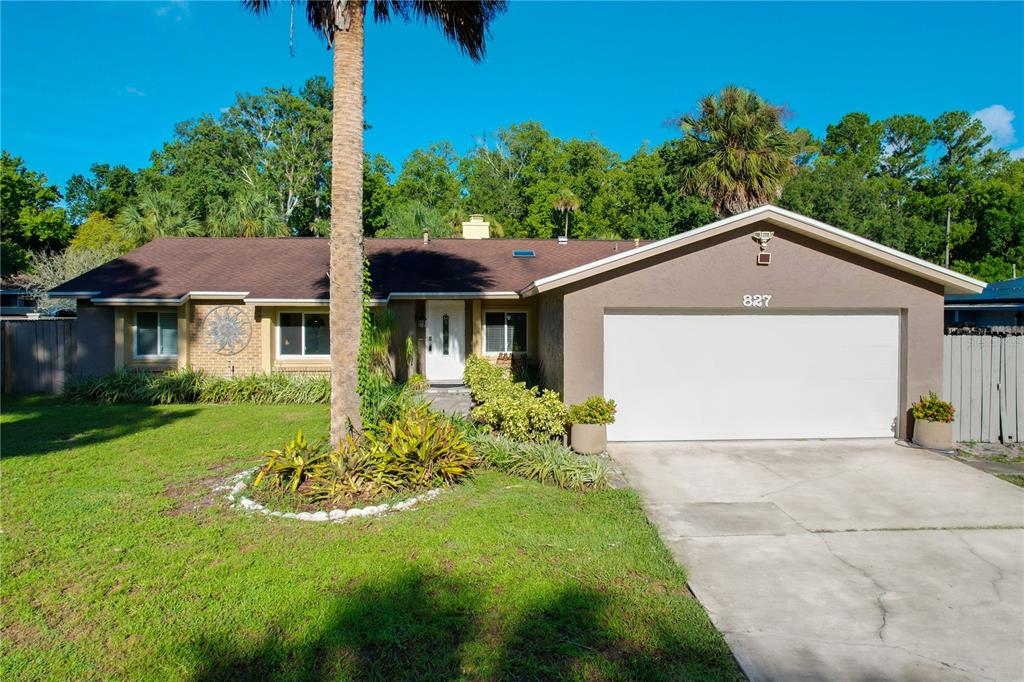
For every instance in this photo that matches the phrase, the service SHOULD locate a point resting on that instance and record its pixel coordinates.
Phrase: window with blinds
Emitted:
(504, 332)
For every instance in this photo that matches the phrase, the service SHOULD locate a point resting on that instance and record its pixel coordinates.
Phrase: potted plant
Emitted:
(590, 420)
(933, 422)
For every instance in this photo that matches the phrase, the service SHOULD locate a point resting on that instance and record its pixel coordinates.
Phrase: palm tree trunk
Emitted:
(346, 267)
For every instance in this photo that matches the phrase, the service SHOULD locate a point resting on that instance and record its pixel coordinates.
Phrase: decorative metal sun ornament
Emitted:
(227, 329)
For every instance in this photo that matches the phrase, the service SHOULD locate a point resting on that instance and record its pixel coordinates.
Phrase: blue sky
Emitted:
(85, 82)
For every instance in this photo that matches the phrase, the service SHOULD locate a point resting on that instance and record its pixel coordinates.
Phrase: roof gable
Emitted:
(953, 282)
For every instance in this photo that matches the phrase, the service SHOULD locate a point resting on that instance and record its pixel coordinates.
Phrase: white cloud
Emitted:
(175, 8)
(998, 121)
(134, 91)
(1017, 153)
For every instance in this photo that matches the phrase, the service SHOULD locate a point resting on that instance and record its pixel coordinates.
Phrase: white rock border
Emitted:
(236, 485)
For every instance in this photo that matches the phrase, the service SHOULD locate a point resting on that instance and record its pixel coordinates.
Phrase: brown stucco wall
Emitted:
(550, 348)
(804, 275)
(94, 332)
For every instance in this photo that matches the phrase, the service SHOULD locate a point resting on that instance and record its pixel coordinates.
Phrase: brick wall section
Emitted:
(202, 354)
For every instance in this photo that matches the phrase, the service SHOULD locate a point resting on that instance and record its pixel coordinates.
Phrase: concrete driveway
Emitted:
(843, 560)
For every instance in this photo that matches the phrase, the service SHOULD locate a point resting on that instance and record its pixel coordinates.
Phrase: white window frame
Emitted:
(299, 357)
(505, 311)
(159, 339)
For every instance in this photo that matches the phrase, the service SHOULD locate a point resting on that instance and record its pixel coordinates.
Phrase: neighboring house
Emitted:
(16, 301)
(1001, 304)
(766, 324)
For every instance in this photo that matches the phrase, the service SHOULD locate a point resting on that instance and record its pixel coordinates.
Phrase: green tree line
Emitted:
(262, 168)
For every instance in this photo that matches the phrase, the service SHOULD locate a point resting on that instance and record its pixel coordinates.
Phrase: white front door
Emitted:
(446, 341)
(736, 376)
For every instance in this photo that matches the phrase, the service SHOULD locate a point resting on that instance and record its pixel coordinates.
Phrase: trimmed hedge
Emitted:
(519, 412)
(193, 386)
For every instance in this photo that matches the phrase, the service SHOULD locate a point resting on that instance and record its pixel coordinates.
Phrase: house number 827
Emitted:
(756, 300)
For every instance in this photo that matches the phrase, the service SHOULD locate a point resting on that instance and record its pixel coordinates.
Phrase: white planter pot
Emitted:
(589, 439)
(934, 435)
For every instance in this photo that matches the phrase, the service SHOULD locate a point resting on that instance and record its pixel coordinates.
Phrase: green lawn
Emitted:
(119, 562)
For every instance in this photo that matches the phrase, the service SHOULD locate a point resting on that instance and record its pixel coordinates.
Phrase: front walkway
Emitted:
(451, 399)
(843, 559)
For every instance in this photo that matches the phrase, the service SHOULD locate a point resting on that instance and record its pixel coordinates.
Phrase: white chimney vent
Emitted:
(476, 228)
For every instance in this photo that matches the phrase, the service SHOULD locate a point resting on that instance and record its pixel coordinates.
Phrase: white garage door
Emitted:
(717, 377)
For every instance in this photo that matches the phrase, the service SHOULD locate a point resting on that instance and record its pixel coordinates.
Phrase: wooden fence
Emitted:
(983, 376)
(38, 355)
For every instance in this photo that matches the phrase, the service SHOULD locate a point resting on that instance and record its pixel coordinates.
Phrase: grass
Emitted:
(1016, 479)
(118, 562)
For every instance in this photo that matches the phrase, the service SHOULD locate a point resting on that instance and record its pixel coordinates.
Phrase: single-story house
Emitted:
(1001, 304)
(766, 324)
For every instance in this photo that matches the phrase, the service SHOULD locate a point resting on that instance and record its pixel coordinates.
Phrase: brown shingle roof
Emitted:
(296, 268)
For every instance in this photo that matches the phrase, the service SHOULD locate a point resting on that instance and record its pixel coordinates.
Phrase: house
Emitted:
(1001, 304)
(16, 301)
(766, 324)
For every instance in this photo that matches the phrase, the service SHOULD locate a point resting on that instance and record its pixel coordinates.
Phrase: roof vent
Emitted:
(563, 240)
(526, 253)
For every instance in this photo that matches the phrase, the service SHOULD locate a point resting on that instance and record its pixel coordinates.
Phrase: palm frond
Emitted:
(467, 24)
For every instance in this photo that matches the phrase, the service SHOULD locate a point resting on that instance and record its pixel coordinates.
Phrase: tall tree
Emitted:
(341, 23)
(109, 190)
(29, 215)
(742, 153)
(429, 176)
(905, 141)
(857, 140)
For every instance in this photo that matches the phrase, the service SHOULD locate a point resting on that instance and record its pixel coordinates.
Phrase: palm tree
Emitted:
(567, 202)
(247, 213)
(157, 214)
(341, 24)
(741, 155)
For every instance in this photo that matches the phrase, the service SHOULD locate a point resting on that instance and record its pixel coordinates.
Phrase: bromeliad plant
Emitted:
(423, 447)
(932, 408)
(293, 465)
(420, 449)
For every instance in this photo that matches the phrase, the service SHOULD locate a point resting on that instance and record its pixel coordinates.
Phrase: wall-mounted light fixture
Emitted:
(762, 238)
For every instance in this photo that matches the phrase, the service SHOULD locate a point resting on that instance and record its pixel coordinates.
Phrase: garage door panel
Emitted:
(703, 377)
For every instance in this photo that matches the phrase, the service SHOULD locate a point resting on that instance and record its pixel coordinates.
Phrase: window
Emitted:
(156, 335)
(303, 335)
(504, 332)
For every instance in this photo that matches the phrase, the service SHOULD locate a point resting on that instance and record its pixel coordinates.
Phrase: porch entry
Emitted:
(446, 341)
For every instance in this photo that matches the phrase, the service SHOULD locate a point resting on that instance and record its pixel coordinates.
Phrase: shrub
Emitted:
(120, 387)
(191, 386)
(593, 410)
(521, 413)
(267, 389)
(177, 386)
(484, 379)
(386, 402)
(549, 462)
(418, 382)
(932, 408)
